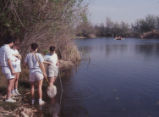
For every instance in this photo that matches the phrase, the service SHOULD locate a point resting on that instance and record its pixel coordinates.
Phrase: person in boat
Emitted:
(118, 38)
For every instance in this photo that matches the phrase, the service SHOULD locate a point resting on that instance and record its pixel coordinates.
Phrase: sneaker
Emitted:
(10, 100)
(17, 92)
(13, 93)
(41, 102)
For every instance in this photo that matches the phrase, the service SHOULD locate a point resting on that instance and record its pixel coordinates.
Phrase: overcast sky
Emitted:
(121, 10)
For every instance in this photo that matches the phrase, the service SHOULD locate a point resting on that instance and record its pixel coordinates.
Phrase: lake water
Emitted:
(116, 78)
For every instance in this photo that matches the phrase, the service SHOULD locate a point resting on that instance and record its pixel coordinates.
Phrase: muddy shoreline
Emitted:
(23, 108)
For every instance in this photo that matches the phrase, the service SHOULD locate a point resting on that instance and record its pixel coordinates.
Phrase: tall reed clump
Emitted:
(47, 22)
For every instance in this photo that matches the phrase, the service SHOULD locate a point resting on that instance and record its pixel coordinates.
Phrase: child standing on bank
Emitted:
(52, 68)
(16, 62)
(37, 73)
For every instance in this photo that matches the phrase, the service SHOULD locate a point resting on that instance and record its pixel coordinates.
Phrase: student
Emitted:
(52, 68)
(7, 68)
(16, 62)
(35, 61)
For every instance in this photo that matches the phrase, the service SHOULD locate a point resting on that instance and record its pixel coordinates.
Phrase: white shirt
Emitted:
(5, 54)
(14, 58)
(53, 59)
(33, 62)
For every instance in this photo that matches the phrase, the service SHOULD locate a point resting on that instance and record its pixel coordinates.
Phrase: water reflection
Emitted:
(54, 108)
(85, 52)
(148, 50)
(71, 95)
(115, 48)
(51, 109)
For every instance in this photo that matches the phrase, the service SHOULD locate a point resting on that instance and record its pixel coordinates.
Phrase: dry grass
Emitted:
(71, 53)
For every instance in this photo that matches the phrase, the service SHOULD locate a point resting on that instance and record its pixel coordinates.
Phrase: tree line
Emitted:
(112, 29)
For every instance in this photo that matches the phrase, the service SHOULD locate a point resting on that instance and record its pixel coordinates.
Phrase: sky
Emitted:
(121, 10)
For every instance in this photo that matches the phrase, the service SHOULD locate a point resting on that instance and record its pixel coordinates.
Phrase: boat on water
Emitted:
(118, 38)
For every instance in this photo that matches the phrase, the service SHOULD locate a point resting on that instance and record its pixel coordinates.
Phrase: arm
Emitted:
(18, 56)
(10, 66)
(46, 62)
(8, 59)
(58, 63)
(42, 67)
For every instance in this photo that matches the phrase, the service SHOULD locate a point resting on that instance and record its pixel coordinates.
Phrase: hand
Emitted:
(45, 75)
(12, 71)
(57, 64)
(19, 56)
(49, 63)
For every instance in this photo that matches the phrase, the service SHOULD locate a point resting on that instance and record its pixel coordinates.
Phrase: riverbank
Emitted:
(86, 37)
(23, 108)
(141, 37)
(150, 34)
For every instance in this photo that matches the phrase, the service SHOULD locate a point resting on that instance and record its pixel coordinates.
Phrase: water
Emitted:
(115, 79)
